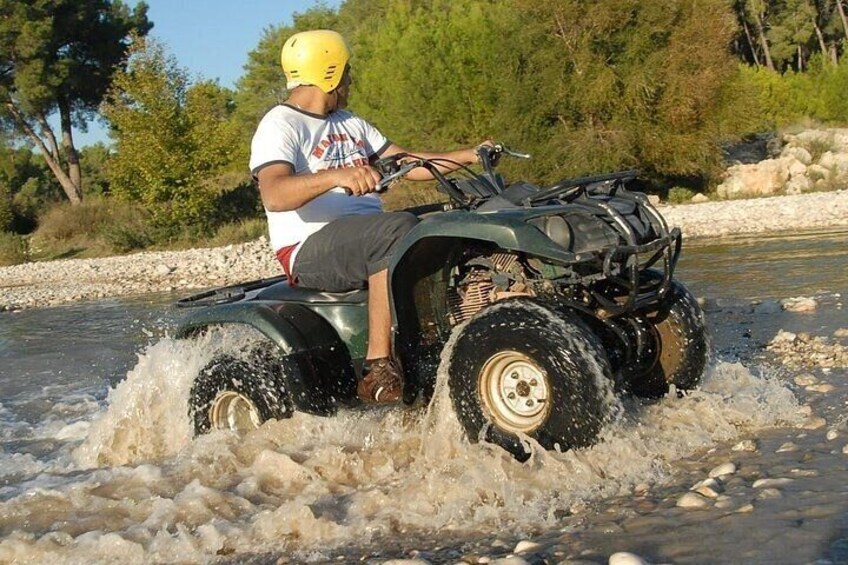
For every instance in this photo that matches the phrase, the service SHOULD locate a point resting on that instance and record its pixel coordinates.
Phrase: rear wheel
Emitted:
(240, 394)
(519, 368)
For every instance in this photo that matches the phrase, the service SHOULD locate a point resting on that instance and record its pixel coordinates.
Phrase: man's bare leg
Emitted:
(379, 316)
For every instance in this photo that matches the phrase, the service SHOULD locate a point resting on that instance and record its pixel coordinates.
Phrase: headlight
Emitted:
(556, 228)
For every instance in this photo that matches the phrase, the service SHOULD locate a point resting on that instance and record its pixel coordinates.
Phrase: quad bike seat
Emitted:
(284, 292)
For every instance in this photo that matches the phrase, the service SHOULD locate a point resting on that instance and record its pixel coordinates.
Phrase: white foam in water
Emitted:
(308, 484)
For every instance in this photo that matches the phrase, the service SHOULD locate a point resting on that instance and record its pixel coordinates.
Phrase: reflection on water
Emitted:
(767, 265)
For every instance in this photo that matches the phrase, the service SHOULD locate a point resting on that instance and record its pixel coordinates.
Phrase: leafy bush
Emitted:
(679, 195)
(13, 249)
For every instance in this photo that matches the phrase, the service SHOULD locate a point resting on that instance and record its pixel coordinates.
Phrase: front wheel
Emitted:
(520, 368)
(680, 353)
(240, 394)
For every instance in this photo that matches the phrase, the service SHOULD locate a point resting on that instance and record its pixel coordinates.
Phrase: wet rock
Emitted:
(845, 449)
(748, 445)
(787, 447)
(773, 483)
(805, 380)
(799, 304)
(526, 546)
(724, 469)
(769, 493)
(841, 332)
(745, 509)
(823, 388)
(510, 560)
(626, 558)
(406, 562)
(692, 500)
(814, 423)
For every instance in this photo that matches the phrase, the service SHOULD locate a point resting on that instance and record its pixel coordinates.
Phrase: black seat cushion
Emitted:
(282, 291)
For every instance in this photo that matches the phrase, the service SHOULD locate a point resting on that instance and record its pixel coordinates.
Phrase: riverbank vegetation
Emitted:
(583, 86)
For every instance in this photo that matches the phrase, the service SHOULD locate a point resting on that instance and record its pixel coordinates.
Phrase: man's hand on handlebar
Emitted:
(358, 181)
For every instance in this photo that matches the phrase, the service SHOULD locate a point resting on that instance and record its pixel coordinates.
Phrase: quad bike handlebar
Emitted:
(399, 165)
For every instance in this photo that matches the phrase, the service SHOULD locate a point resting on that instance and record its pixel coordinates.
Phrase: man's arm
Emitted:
(281, 190)
(446, 162)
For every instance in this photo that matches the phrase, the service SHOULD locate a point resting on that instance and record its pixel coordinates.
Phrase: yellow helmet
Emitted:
(315, 57)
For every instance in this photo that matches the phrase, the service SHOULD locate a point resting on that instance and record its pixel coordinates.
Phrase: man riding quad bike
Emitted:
(552, 299)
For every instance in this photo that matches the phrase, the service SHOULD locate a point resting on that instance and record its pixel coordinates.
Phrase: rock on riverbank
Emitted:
(34, 285)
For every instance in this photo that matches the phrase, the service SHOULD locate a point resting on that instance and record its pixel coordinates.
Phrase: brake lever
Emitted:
(387, 180)
(511, 153)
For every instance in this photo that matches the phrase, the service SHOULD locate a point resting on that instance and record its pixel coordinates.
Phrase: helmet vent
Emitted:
(331, 71)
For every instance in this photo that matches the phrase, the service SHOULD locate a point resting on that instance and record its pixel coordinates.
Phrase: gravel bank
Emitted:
(37, 285)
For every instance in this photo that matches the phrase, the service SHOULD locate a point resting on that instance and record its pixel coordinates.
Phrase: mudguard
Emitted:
(328, 377)
(507, 229)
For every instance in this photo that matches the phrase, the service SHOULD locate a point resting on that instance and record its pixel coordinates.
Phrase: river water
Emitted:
(97, 463)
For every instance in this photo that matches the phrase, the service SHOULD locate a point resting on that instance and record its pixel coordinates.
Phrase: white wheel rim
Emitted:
(234, 411)
(515, 392)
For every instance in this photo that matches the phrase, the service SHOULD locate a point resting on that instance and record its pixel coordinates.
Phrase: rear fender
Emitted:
(328, 377)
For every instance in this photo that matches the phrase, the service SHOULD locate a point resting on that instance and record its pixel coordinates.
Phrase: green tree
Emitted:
(172, 139)
(57, 57)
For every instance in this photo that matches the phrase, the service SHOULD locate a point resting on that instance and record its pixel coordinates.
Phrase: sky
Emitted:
(211, 38)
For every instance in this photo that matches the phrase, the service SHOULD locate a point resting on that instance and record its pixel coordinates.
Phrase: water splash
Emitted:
(306, 484)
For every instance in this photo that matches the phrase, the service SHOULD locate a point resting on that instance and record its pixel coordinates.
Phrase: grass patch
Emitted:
(13, 249)
(239, 232)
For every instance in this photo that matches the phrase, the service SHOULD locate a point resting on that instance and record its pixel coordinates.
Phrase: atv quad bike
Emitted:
(549, 300)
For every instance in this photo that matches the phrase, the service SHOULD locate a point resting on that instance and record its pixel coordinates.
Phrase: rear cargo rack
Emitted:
(226, 294)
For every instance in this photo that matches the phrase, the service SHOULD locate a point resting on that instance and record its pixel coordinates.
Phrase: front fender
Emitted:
(505, 230)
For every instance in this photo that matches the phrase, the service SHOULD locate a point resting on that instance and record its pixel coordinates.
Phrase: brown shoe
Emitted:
(382, 385)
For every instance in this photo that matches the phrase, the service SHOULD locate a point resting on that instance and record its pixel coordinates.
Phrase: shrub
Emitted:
(239, 232)
(679, 195)
(13, 249)
(64, 221)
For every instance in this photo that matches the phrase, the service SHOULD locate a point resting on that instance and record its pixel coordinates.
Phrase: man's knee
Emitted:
(401, 223)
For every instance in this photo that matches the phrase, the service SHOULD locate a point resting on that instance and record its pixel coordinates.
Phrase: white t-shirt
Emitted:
(312, 143)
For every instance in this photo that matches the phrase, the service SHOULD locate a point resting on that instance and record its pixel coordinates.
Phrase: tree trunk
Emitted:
(800, 59)
(764, 42)
(841, 9)
(822, 44)
(71, 154)
(751, 44)
(50, 154)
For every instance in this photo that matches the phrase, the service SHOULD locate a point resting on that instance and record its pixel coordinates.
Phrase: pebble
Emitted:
(787, 447)
(526, 546)
(749, 445)
(845, 449)
(769, 493)
(799, 304)
(692, 500)
(723, 469)
(805, 380)
(814, 423)
(510, 560)
(841, 332)
(626, 558)
(772, 483)
(824, 387)
(707, 491)
(832, 435)
(745, 509)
